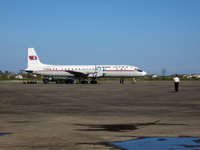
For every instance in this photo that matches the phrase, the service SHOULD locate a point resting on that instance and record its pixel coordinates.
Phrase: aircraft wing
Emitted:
(78, 73)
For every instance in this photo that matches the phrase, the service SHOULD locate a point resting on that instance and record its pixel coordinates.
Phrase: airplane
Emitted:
(66, 73)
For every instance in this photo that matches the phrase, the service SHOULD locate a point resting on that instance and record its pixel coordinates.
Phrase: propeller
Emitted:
(104, 71)
(95, 73)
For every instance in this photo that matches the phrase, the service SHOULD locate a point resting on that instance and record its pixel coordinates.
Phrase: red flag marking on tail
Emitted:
(33, 57)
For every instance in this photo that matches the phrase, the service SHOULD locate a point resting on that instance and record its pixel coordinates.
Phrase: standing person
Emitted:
(176, 83)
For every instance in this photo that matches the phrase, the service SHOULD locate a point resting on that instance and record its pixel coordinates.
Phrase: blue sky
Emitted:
(149, 34)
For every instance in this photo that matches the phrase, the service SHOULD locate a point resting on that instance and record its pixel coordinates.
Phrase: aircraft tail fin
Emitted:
(33, 59)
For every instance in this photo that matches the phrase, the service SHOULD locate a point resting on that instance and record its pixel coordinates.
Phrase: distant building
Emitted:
(19, 77)
(154, 76)
(195, 76)
(187, 76)
(191, 76)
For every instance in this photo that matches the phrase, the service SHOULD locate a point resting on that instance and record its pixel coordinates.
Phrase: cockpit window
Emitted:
(139, 70)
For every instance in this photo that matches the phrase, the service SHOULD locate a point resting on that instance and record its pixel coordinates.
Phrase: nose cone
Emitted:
(144, 73)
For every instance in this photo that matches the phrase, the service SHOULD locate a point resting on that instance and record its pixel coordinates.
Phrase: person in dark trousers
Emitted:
(176, 83)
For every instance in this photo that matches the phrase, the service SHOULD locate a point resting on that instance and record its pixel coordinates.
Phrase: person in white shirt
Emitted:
(176, 83)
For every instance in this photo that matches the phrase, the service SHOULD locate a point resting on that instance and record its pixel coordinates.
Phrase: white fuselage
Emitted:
(89, 70)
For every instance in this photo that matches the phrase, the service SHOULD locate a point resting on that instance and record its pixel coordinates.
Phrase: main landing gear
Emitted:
(85, 81)
(46, 81)
(122, 81)
(93, 82)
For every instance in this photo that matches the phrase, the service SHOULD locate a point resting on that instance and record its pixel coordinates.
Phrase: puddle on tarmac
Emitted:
(159, 143)
(2, 134)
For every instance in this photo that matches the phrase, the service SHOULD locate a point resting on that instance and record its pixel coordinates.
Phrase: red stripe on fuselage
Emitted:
(120, 70)
(85, 70)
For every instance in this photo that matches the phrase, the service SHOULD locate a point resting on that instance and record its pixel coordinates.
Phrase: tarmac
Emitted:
(87, 116)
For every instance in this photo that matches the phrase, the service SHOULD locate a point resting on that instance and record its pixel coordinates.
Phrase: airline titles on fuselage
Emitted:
(92, 68)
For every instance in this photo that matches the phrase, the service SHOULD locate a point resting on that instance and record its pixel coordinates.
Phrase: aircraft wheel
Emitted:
(62, 81)
(84, 82)
(46, 81)
(93, 82)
